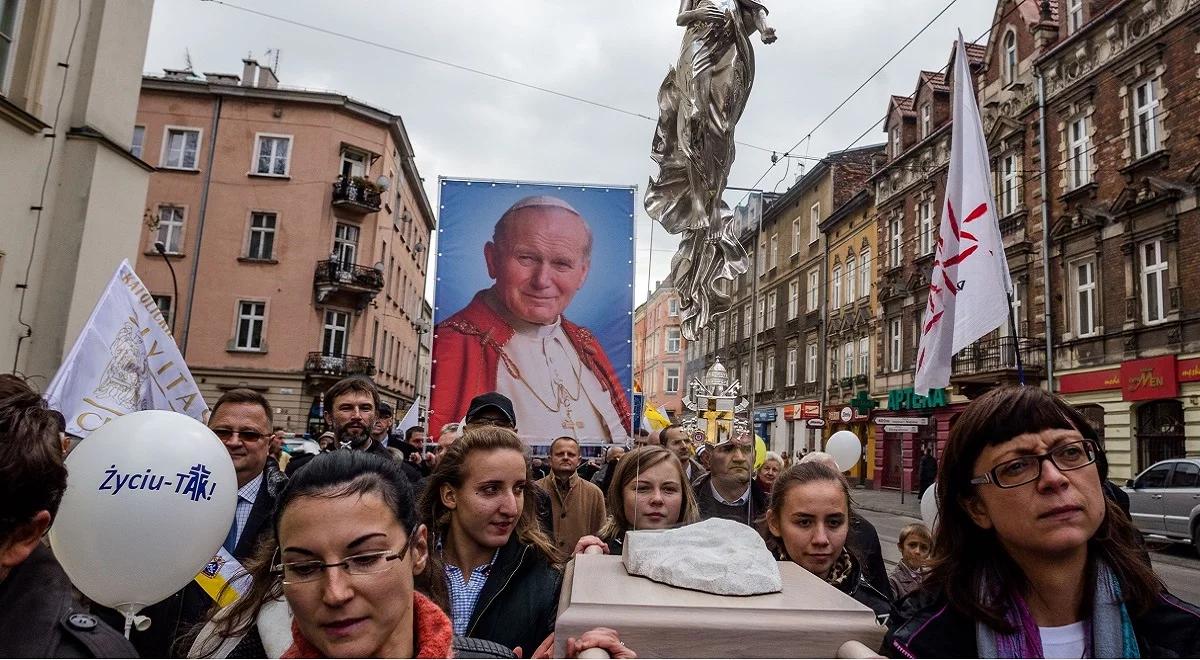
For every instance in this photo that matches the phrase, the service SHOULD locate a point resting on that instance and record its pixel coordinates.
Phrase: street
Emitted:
(1177, 563)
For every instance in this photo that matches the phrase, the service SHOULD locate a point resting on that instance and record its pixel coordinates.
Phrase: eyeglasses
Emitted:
(487, 421)
(1020, 471)
(368, 563)
(245, 436)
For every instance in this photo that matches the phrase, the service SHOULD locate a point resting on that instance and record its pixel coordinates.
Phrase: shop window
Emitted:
(1159, 432)
(1094, 414)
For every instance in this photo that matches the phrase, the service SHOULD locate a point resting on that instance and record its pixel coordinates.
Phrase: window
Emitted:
(1145, 119)
(762, 309)
(673, 340)
(793, 299)
(836, 282)
(760, 257)
(1085, 298)
(9, 13)
(139, 139)
(1154, 282)
(1186, 475)
(927, 241)
(1008, 184)
(864, 272)
(1074, 16)
(354, 163)
(926, 120)
(721, 331)
(746, 321)
(897, 145)
(336, 332)
(262, 236)
(791, 366)
(180, 148)
(1079, 153)
(796, 236)
(851, 280)
(771, 304)
(170, 228)
(1009, 67)
(814, 223)
(758, 376)
(345, 244)
(848, 359)
(251, 317)
(272, 155)
(773, 258)
(833, 363)
(744, 374)
(672, 380)
(896, 344)
(770, 375)
(164, 306)
(895, 238)
(864, 356)
(672, 307)
(810, 363)
(813, 278)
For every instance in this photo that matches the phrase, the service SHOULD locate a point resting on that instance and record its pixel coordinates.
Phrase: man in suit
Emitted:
(242, 420)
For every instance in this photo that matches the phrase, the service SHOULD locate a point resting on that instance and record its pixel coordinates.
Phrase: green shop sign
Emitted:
(905, 399)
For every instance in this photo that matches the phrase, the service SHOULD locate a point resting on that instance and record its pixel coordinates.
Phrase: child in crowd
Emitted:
(915, 542)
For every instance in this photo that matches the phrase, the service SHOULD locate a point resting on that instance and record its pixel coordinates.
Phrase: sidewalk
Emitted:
(886, 501)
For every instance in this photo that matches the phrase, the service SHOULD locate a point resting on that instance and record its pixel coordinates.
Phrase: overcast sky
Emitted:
(614, 52)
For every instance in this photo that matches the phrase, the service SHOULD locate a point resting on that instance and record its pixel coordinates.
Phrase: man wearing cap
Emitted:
(512, 337)
(727, 491)
(381, 430)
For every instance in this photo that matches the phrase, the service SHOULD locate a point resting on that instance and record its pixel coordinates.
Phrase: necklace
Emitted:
(564, 399)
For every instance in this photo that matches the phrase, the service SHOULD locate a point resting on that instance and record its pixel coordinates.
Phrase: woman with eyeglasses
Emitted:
(1030, 559)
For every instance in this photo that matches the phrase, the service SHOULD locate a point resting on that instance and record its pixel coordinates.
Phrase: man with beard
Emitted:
(727, 491)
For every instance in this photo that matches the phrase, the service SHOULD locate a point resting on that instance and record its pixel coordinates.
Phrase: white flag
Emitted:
(124, 360)
(410, 418)
(969, 285)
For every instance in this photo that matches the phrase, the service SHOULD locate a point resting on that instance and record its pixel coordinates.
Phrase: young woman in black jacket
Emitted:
(808, 522)
(1030, 559)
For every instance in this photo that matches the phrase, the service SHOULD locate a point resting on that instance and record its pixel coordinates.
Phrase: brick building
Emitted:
(659, 349)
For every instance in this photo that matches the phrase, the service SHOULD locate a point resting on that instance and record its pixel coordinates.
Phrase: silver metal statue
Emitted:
(699, 104)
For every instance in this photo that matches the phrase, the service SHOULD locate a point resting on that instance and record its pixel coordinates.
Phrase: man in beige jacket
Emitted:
(577, 506)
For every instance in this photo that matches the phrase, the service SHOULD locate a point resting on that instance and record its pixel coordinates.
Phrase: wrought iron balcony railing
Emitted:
(339, 366)
(356, 194)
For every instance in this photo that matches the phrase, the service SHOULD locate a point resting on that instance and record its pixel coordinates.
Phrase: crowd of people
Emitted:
(374, 547)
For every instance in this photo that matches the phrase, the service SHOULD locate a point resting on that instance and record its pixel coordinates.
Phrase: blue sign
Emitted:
(765, 415)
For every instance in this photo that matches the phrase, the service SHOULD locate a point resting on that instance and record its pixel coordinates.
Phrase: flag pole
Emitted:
(1012, 324)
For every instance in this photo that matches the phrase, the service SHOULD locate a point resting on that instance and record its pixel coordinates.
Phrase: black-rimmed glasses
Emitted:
(1023, 470)
(367, 563)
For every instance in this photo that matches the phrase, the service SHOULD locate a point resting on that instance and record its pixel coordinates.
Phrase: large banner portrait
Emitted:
(534, 300)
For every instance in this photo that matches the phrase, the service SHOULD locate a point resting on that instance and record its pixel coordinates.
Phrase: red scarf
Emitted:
(432, 633)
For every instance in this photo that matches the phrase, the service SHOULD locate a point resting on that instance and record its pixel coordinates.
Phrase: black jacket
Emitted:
(863, 542)
(519, 602)
(923, 626)
(711, 507)
(39, 617)
(859, 588)
(174, 619)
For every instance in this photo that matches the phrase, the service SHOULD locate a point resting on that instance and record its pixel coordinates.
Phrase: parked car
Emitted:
(1164, 500)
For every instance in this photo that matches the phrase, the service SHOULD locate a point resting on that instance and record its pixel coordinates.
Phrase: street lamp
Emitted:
(161, 249)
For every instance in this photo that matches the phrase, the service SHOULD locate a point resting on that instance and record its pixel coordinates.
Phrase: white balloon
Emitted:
(149, 499)
(929, 507)
(845, 448)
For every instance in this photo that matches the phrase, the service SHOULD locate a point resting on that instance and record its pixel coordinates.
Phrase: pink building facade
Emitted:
(659, 349)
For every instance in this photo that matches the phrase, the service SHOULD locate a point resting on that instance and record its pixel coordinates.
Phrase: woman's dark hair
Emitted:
(628, 468)
(32, 475)
(798, 475)
(451, 471)
(964, 553)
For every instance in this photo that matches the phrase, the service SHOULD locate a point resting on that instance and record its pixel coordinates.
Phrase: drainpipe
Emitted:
(1045, 186)
(212, 150)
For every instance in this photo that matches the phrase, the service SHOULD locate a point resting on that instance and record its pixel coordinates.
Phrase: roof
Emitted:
(905, 103)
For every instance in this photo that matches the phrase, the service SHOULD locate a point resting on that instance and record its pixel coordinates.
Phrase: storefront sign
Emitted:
(863, 403)
(815, 423)
(906, 399)
(1189, 370)
(1152, 378)
(907, 421)
(847, 414)
(1092, 381)
(765, 415)
(803, 410)
(900, 428)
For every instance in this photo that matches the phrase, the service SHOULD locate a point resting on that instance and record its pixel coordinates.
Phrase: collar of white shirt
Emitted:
(741, 501)
(249, 492)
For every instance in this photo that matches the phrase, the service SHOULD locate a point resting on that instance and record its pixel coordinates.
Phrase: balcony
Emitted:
(357, 195)
(860, 380)
(990, 363)
(338, 366)
(349, 284)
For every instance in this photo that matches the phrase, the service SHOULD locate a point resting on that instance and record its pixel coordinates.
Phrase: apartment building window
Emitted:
(926, 120)
(791, 366)
(673, 338)
(1009, 68)
(1074, 16)
(773, 259)
(810, 363)
(760, 257)
(262, 236)
(814, 223)
(851, 279)
(721, 331)
(762, 310)
(1154, 282)
(746, 321)
(744, 373)
(1079, 151)
(1145, 118)
(170, 228)
(180, 148)
(895, 238)
(336, 333)
(252, 315)
(672, 307)
(796, 236)
(1085, 298)
(927, 241)
(164, 304)
(848, 359)
(354, 163)
(897, 144)
(834, 365)
(770, 375)
(9, 12)
(272, 155)
(864, 356)
(793, 299)
(1008, 184)
(771, 305)
(864, 272)
(345, 244)
(836, 281)
(813, 279)
(759, 384)
(139, 139)
(672, 380)
(895, 344)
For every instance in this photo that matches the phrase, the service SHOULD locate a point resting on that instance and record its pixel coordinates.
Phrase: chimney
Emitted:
(249, 72)
(178, 74)
(267, 78)
(221, 78)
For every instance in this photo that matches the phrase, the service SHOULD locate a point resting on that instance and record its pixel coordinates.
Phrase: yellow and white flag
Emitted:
(223, 578)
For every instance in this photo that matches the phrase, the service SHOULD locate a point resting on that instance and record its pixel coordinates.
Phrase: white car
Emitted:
(1164, 500)
(300, 445)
